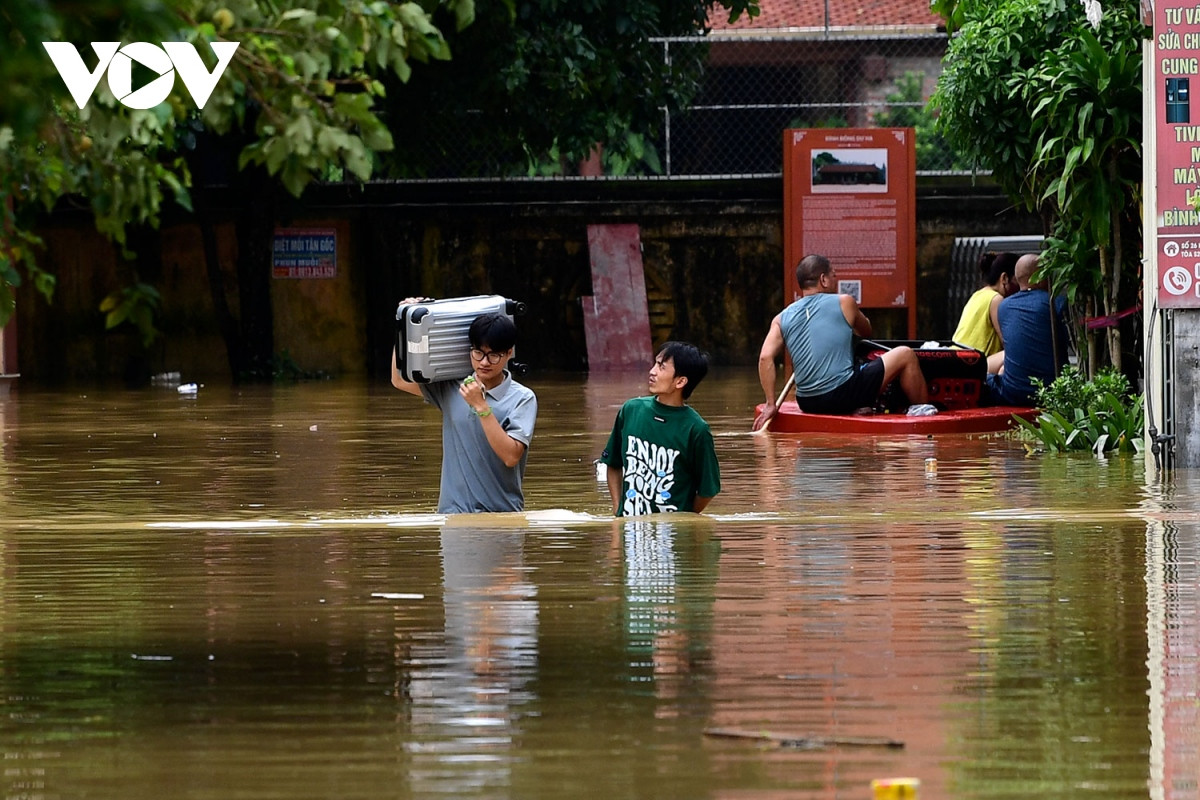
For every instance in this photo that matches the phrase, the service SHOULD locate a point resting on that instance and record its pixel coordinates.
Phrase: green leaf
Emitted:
(298, 14)
(464, 13)
(8, 303)
(358, 161)
(294, 179)
(44, 282)
(377, 138)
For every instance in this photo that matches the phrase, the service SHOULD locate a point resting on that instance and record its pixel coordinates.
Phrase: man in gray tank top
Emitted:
(818, 331)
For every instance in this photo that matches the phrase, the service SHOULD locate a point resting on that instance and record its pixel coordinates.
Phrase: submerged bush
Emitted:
(1100, 415)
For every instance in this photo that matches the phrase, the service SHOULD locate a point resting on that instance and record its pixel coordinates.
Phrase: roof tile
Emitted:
(776, 14)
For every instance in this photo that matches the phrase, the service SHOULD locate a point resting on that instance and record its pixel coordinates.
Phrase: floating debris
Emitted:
(803, 741)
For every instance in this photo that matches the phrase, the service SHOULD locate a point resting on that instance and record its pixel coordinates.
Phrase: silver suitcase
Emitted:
(431, 336)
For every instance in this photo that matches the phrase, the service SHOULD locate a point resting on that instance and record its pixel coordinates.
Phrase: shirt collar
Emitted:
(501, 388)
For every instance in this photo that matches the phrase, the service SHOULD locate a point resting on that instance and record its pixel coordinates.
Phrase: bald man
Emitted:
(1025, 326)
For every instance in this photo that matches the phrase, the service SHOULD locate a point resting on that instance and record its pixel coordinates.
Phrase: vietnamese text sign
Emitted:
(850, 195)
(304, 253)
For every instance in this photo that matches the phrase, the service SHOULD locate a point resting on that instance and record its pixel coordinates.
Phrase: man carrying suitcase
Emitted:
(487, 423)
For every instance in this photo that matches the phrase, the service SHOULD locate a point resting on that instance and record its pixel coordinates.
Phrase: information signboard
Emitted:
(850, 195)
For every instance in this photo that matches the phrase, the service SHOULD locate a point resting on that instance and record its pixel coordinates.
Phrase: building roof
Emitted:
(777, 15)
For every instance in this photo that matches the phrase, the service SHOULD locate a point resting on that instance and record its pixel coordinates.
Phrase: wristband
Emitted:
(481, 414)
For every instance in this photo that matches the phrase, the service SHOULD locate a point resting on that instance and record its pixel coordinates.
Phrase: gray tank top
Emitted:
(818, 339)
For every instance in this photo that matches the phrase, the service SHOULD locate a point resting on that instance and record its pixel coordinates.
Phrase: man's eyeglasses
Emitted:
(492, 357)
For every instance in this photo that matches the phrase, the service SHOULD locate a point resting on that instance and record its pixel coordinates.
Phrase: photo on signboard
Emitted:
(1178, 101)
(852, 288)
(851, 169)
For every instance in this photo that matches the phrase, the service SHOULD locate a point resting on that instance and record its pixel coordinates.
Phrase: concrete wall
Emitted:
(1184, 353)
(712, 254)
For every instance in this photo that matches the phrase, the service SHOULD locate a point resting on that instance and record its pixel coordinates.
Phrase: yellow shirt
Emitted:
(975, 326)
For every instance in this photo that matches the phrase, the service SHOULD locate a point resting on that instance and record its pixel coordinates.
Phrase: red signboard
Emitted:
(850, 195)
(1177, 138)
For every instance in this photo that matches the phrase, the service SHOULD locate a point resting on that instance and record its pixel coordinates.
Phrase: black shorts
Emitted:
(860, 390)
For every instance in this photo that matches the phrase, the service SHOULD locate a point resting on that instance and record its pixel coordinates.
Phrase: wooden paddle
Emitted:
(787, 387)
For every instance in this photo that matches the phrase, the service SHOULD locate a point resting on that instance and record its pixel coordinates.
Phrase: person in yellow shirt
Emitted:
(978, 326)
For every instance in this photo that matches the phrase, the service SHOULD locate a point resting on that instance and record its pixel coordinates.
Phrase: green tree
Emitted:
(298, 97)
(907, 108)
(1050, 103)
(550, 80)
(952, 11)
(536, 90)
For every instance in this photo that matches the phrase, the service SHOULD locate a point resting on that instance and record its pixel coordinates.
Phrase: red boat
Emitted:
(791, 419)
(955, 376)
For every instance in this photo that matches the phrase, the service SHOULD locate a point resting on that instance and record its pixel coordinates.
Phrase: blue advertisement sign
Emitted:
(304, 253)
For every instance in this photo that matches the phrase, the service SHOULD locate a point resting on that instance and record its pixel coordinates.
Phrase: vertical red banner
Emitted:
(850, 195)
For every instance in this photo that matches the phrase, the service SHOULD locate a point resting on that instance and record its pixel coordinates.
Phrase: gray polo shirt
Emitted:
(473, 476)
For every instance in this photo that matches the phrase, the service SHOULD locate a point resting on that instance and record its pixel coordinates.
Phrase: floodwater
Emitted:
(245, 593)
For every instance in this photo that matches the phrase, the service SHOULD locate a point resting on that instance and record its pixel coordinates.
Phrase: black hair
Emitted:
(810, 269)
(689, 361)
(993, 265)
(495, 330)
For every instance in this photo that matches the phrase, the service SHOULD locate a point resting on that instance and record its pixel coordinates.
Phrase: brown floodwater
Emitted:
(245, 593)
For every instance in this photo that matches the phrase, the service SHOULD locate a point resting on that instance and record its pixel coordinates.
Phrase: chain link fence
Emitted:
(752, 89)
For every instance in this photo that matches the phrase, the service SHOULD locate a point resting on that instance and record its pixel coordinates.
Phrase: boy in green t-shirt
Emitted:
(660, 454)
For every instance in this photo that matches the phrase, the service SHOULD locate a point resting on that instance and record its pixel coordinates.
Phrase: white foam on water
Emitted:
(226, 524)
(397, 596)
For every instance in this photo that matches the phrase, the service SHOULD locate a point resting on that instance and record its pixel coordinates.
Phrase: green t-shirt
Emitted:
(666, 454)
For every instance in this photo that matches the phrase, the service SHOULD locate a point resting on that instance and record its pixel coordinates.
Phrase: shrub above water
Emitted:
(1100, 415)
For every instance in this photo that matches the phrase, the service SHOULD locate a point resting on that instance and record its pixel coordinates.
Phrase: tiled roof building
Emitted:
(780, 15)
(805, 64)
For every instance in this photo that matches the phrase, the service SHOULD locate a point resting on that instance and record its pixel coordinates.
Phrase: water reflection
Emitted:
(1173, 587)
(670, 579)
(469, 688)
(246, 593)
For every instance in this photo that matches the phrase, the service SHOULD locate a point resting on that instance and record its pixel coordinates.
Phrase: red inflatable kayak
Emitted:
(791, 419)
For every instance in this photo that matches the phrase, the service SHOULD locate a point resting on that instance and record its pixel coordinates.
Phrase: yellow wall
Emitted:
(318, 322)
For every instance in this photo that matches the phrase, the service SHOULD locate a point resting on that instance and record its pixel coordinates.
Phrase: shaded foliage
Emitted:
(534, 90)
(299, 94)
(907, 109)
(301, 101)
(1051, 105)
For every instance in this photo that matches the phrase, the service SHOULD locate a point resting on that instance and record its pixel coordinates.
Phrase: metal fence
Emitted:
(964, 266)
(752, 89)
